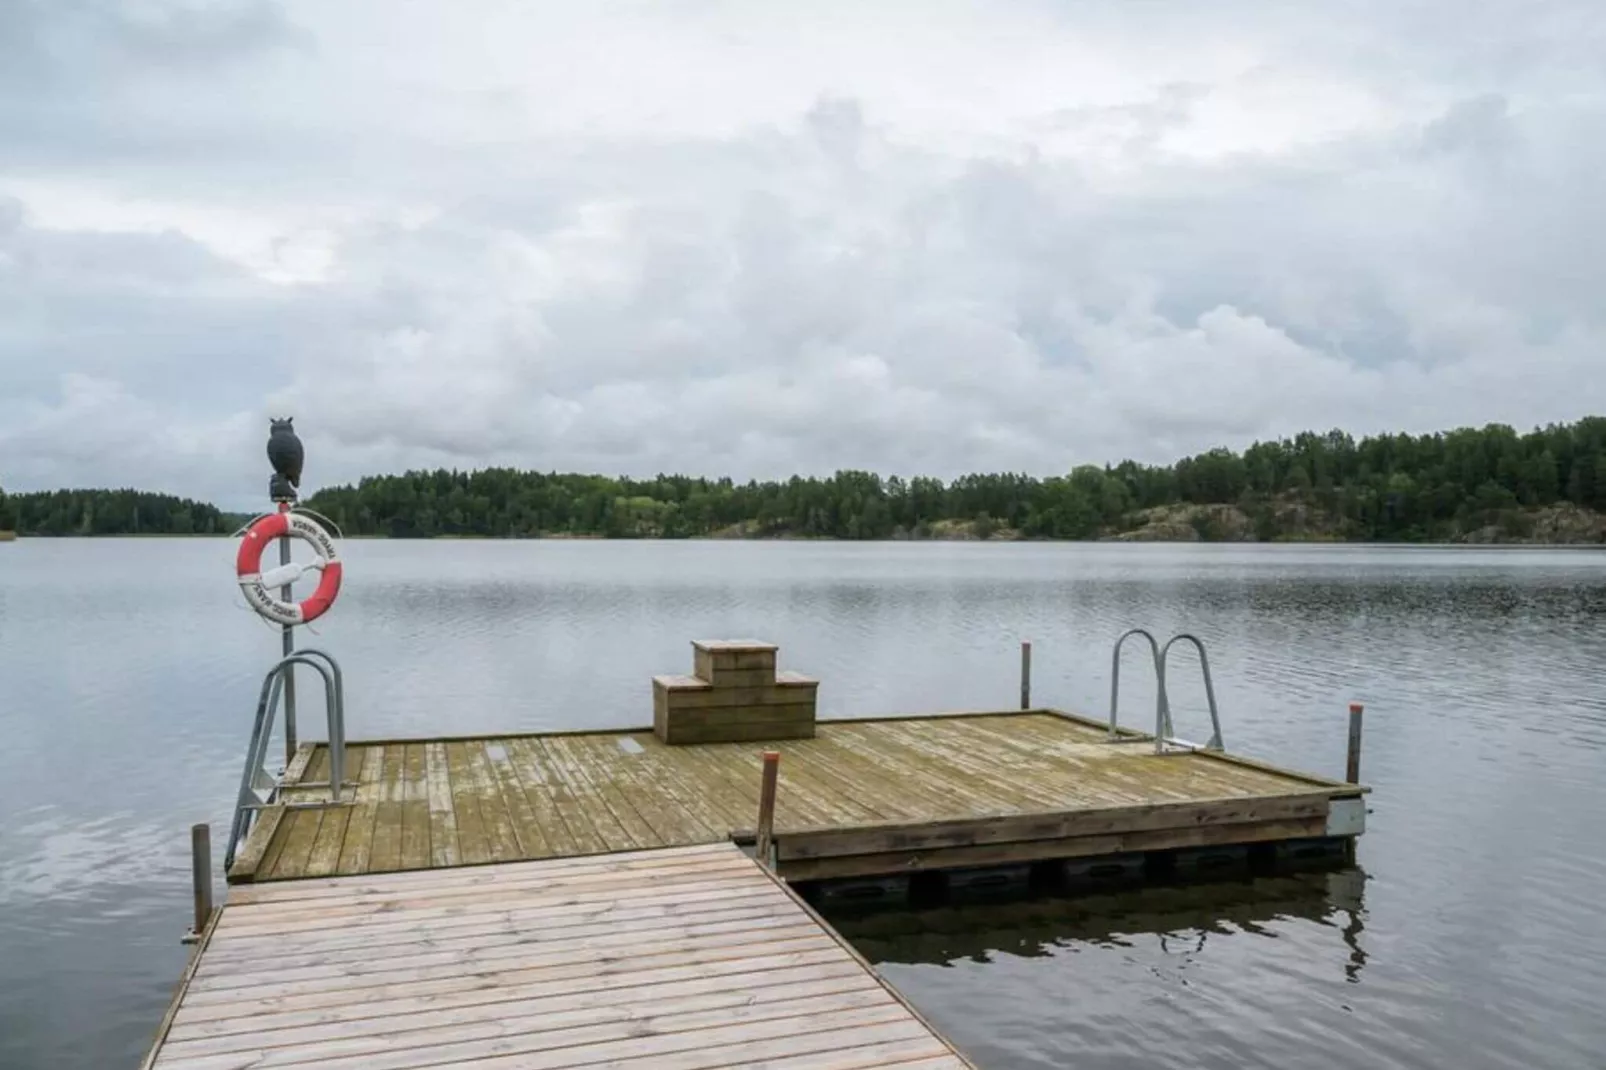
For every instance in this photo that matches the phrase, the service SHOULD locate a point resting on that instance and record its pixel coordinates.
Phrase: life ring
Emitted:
(260, 588)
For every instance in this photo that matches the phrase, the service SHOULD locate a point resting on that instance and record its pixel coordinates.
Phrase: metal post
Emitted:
(766, 807)
(1025, 674)
(1352, 761)
(289, 647)
(201, 877)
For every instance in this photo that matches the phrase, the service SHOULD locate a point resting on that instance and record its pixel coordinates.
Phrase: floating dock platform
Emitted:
(639, 898)
(866, 798)
(679, 959)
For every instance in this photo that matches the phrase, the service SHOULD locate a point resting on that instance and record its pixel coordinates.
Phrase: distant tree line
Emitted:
(110, 512)
(1384, 487)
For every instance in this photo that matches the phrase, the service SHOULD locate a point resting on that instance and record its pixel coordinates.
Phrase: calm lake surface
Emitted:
(1471, 935)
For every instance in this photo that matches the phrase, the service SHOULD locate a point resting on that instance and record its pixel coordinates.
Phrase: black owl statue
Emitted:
(286, 455)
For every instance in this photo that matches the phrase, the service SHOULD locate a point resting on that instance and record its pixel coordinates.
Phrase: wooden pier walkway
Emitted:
(862, 798)
(672, 959)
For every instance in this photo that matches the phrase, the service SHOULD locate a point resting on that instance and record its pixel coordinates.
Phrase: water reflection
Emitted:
(1178, 919)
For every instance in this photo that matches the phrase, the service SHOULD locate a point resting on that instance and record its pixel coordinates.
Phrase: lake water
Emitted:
(1471, 935)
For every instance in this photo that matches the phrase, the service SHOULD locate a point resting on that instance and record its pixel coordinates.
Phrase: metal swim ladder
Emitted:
(259, 788)
(1164, 731)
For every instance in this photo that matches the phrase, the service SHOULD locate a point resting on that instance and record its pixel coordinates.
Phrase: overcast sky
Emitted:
(757, 238)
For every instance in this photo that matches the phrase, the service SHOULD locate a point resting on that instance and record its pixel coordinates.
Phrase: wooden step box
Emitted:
(734, 696)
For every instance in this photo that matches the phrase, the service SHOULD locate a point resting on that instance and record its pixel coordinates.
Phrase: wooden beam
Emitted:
(884, 864)
(1011, 828)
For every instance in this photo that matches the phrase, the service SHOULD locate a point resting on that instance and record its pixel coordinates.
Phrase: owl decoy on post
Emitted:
(286, 455)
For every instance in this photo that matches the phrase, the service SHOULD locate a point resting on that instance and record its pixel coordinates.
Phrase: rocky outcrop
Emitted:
(1556, 525)
(1187, 523)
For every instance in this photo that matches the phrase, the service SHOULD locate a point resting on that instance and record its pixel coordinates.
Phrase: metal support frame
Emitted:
(1161, 713)
(257, 787)
(1164, 729)
(288, 647)
(1161, 738)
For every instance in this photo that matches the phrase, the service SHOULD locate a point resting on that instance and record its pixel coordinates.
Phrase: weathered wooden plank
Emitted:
(916, 1054)
(324, 858)
(387, 1035)
(547, 822)
(415, 773)
(742, 732)
(425, 963)
(585, 799)
(977, 771)
(338, 888)
(668, 906)
(472, 842)
(573, 830)
(253, 855)
(744, 1043)
(317, 767)
(948, 787)
(467, 895)
(501, 833)
(473, 1042)
(443, 847)
(455, 979)
(598, 780)
(296, 771)
(685, 697)
(840, 866)
(738, 713)
(511, 1001)
(470, 908)
(299, 830)
(560, 925)
(1053, 825)
(709, 974)
(415, 829)
(525, 826)
(658, 803)
(883, 787)
(358, 845)
(625, 871)
(735, 678)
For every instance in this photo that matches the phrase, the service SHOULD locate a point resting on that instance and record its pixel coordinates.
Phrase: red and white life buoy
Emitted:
(259, 588)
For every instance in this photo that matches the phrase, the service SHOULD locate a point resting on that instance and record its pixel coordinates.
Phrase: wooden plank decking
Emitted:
(861, 797)
(678, 959)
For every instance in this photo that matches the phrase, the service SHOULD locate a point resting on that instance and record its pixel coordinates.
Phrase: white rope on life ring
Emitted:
(259, 587)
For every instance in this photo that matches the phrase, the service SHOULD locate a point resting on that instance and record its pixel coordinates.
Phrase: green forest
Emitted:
(110, 512)
(1490, 483)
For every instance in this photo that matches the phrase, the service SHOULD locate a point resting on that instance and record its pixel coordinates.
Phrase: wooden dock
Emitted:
(674, 959)
(860, 799)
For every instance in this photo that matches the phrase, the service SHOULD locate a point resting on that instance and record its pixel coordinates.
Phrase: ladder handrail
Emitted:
(336, 719)
(1160, 736)
(262, 732)
(1161, 713)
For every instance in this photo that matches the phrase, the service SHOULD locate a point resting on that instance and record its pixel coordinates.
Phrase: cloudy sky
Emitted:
(756, 238)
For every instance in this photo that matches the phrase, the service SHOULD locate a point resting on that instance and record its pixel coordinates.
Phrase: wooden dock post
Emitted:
(201, 877)
(766, 808)
(1352, 761)
(1026, 674)
(1352, 765)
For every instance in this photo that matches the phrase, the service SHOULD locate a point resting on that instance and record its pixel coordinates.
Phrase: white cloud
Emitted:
(718, 238)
